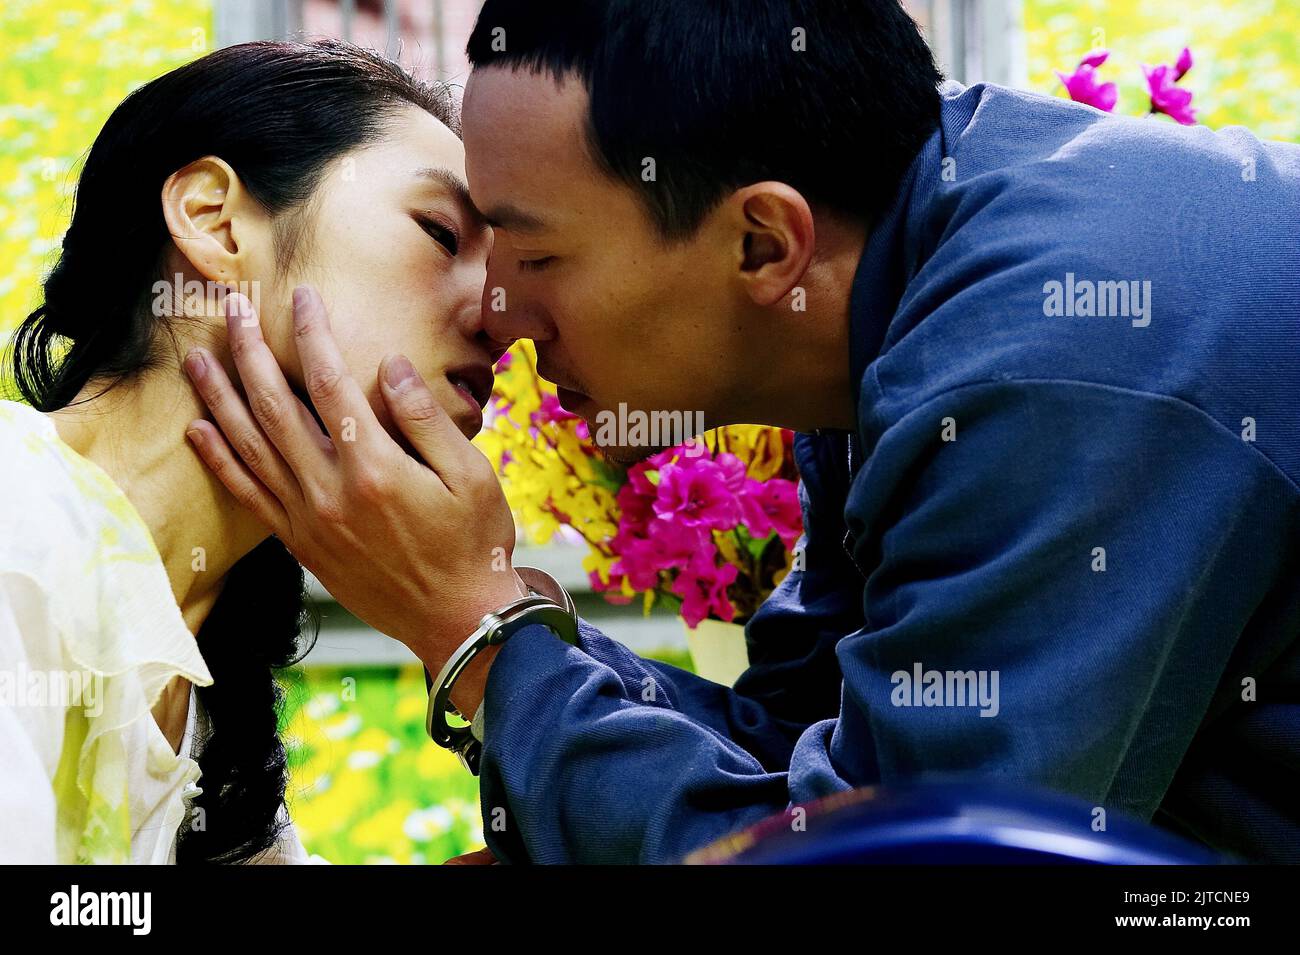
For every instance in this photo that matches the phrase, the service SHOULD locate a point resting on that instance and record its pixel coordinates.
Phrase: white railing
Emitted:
(975, 40)
(346, 640)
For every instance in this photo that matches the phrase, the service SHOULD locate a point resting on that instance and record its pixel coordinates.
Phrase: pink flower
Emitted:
(700, 492)
(1095, 59)
(612, 589)
(703, 589)
(732, 471)
(635, 508)
(1084, 86)
(1167, 98)
(773, 505)
(657, 461)
(550, 412)
(504, 361)
(669, 509)
(666, 546)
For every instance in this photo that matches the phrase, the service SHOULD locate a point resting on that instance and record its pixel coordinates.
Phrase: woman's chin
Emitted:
(469, 429)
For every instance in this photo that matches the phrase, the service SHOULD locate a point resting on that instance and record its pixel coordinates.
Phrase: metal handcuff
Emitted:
(547, 604)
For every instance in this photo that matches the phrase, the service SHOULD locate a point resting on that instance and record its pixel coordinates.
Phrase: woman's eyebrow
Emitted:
(459, 191)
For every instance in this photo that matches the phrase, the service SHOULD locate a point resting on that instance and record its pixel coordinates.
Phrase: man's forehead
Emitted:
(525, 141)
(528, 105)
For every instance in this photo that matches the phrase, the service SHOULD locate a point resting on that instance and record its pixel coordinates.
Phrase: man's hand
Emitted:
(482, 856)
(419, 553)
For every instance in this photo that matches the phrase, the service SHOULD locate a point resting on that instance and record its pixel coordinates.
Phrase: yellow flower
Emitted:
(383, 830)
(762, 449)
(434, 762)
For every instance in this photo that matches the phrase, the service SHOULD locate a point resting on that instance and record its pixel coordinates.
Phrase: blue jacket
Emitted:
(1076, 357)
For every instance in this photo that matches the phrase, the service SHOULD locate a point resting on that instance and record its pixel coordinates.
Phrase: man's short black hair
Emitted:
(832, 97)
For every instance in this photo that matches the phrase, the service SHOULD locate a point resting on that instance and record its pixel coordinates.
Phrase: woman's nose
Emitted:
(472, 321)
(495, 348)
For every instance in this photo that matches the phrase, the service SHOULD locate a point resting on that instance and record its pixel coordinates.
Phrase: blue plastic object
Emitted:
(953, 822)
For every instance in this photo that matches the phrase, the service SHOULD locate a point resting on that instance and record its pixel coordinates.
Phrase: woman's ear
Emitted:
(208, 213)
(778, 239)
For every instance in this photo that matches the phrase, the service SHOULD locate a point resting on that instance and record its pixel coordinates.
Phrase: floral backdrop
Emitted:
(1247, 54)
(367, 785)
(64, 67)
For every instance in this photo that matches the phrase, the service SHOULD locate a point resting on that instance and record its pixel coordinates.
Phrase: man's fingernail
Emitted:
(399, 371)
(196, 364)
(195, 435)
(238, 308)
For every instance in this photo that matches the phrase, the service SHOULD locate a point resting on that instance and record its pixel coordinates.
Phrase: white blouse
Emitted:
(90, 634)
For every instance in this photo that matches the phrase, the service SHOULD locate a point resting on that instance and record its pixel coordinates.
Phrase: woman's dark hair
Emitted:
(278, 113)
(833, 97)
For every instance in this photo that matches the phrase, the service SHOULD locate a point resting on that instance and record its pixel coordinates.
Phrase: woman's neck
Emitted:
(135, 432)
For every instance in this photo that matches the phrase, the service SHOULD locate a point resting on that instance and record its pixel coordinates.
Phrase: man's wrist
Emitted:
(461, 684)
(471, 686)
(436, 641)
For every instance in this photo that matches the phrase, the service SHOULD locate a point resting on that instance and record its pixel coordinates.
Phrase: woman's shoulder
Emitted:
(71, 530)
(62, 515)
(26, 439)
(39, 508)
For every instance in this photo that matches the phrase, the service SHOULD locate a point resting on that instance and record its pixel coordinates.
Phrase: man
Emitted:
(1044, 365)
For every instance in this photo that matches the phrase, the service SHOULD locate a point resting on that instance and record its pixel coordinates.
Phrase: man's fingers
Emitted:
(242, 435)
(276, 408)
(483, 856)
(337, 398)
(419, 416)
(247, 490)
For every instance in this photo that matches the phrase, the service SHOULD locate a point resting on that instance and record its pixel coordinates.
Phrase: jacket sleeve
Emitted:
(1091, 590)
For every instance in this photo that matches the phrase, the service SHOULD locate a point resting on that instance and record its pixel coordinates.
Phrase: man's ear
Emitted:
(778, 239)
(206, 209)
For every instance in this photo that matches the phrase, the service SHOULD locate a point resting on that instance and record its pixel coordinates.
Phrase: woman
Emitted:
(142, 611)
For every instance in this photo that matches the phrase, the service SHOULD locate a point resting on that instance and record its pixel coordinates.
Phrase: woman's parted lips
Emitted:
(477, 379)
